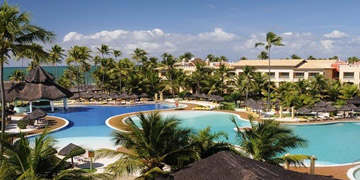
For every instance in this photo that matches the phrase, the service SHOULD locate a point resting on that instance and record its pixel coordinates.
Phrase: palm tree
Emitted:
(118, 53)
(263, 55)
(79, 55)
(268, 140)
(153, 144)
(17, 36)
(210, 57)
(186, 56)
(55, 56)
(318, 85)
(271, 40)
(24, 161)
(294, 56)
(349, 91)
(206, 143)
(103, 50)
(17, 75)
(353, 60)
(139, 55)
(333, 89)
(222, 71)
(248, 78)
(311, 57)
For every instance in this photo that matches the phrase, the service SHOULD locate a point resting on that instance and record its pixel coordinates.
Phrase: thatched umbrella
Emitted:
(218, 98)
(344, 108)
(329, 108)
(38, 84)
(124, 95)
(352, 106)
(36, 114)
(249, 102)
(75, 96)
(87, 95)
(143, 95)
(72, 150)
(114, 96)
(317, 109)
(202, 96)
(134, 96)
(320, 104)
(105, 96)
(228, 165)
(355, 100)
(303, 110)
(97, 96)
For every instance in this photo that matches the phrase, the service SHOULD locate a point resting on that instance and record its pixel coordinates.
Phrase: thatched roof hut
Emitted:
(229, 166)
(36, 114)
(303, 110)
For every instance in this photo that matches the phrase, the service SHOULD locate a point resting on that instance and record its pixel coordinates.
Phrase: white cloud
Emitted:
(335, 34)
(327, 44)
(217, 42)
(217, 35)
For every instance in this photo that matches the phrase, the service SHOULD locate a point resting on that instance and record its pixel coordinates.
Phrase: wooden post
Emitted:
(312, 164)
(281, 112)
(30, 107)
(52, 106)
(156, 97)
(292, 112)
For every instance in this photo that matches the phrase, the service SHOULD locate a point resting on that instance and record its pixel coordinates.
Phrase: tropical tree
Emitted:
(17, 75)
(248, 79)
(186, 56)
(353, 59)
(79, 56)
(349, 91)
(210, 57)
(332, 90)
(139, 55)
(268, 141)
(271, 40)
(56, 55)
(151, 145)
(294, 56)
(263, 55)
(103, 50)
(311, 57)
(23, 161)
(207, 143)
(118, 53)
(243, 58)
(17, 35)
(318, 85)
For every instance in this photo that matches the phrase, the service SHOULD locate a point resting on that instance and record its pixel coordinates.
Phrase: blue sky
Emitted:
(321, 28)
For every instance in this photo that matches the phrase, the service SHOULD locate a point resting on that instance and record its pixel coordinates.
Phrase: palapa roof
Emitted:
(70, 147)
(36, 114)
(38, 84)
(230, 166)
(303, 110)
(355, 100)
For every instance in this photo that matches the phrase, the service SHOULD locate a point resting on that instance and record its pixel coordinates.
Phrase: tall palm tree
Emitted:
(222, 71)
(349, 91)
(311, 57)
(17, 35)
(78, 55)
(139, 55)
(103, 50)
(248, 77)
(294, 56)
(186, 56)
(118, 53)
(152, 144)
(56, 55)
(271, 40)
(263, 55)
(24, 161)
(353, 59)
(267, 141)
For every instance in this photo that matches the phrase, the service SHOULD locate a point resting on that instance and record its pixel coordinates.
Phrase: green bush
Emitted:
(22, 124)
(227, 107)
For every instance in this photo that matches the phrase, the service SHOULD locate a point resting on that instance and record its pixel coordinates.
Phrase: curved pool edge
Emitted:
(107, 121)
(53, 130)
(351, 171)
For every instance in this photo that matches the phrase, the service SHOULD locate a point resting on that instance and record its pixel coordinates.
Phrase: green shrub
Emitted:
(227, 107)
(22, 124)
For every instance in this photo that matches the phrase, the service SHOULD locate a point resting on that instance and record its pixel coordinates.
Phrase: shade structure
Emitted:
(72, 150)
(355, 100)
(317, 109)
(249, 102)
(196, 95)
(105, 96)
(303, 110)
(320, 104)
(352, 106)
(38, 84)
(97, 96)
(219, 98)
(75, 96)
(230, 166)
(203, 96)
(86, 95)
(329, 108)
(344, 108)
(133, 96)
(144, 95)
(36, 114)
(256, 106)
(114, 96)
(124, 96)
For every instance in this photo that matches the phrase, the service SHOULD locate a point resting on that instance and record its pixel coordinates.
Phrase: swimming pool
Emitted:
(336, 143)
(87, 124)
(331, 143)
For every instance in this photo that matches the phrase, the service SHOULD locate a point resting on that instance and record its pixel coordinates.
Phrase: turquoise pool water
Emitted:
(87, 124)
(331, 143)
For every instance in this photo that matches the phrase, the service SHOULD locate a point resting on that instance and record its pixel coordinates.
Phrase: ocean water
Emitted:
(50, 69)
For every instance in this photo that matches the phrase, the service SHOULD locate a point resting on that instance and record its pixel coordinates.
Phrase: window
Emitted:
(299, 75)
(284, 75)
(313, 74)
(349, 75)
(272, 74)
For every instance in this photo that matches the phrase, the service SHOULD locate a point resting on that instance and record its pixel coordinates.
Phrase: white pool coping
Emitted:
(351, 171)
